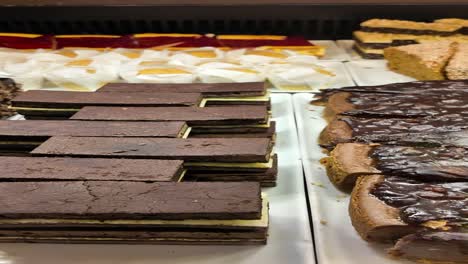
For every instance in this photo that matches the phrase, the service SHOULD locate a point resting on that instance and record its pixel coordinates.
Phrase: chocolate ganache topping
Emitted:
(409, 105)
(419, 87)
(447, 130)
(428, 164)
(421, 202)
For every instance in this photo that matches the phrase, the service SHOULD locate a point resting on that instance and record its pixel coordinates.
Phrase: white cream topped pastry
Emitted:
(299, 76)
(83, 75)
(219, 72)
(155, 72)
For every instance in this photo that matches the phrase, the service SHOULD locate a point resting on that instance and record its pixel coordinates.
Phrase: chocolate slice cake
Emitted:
(107, 212)
(208, 90)
(250, 93)
(60, 105)
(17, 136)
(37, 169)
(217, 157)
(203, 120)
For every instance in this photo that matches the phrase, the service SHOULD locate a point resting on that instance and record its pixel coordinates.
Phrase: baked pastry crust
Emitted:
(371, 217)
(346, 162)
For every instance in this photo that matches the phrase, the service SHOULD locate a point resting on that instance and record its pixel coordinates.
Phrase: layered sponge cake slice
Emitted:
(421, 61)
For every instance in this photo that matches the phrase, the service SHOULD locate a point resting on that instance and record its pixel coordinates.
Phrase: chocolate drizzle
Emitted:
(422, 202)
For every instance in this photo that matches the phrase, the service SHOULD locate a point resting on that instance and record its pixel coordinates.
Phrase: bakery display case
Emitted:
(269, 131)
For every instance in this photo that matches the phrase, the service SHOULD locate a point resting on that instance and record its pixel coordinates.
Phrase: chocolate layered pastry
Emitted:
(371, 45)
(348, 161)
(8, 90)
(421, 61)
(133, 212)
(61, 105)
(37, 169)
(409, 27)
(239, 120)
(18, 136)
(455, 21)
(249, 93)
(210, 156)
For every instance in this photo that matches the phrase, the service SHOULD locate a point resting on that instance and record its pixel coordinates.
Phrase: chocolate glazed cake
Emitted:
(402, 151)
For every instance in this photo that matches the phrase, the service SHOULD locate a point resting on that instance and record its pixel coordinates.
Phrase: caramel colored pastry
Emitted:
(421, 61)
(373, 219)
(368, 53)
(409, 27)
(457, 68)
(347, 162)
(455, 21)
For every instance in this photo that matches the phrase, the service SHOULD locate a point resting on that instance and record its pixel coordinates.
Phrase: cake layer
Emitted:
(373, 219)
(368, 53)
(130, 200)
(423, 131)
(231, 150)
(67, 169)
(40, 130)
(57, 100)
(348, 161)
(206, 89)
(421, 61)
(409, 27)
(194, 116)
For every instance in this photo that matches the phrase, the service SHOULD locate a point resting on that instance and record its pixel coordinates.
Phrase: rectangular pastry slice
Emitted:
(70, 169)
(107, 212)
(203, 120)
(27, 134)
(409, 27)
(64, 104)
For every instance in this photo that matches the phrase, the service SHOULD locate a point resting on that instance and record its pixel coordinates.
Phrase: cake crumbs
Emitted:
(318, 185)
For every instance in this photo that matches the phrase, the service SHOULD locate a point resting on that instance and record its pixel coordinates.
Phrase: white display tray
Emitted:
(347, 46)
(290, 237)
(336, 241)
(374, 72)
(342, 78)
(333, 52)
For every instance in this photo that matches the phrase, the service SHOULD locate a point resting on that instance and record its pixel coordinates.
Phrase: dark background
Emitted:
(315, 19)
